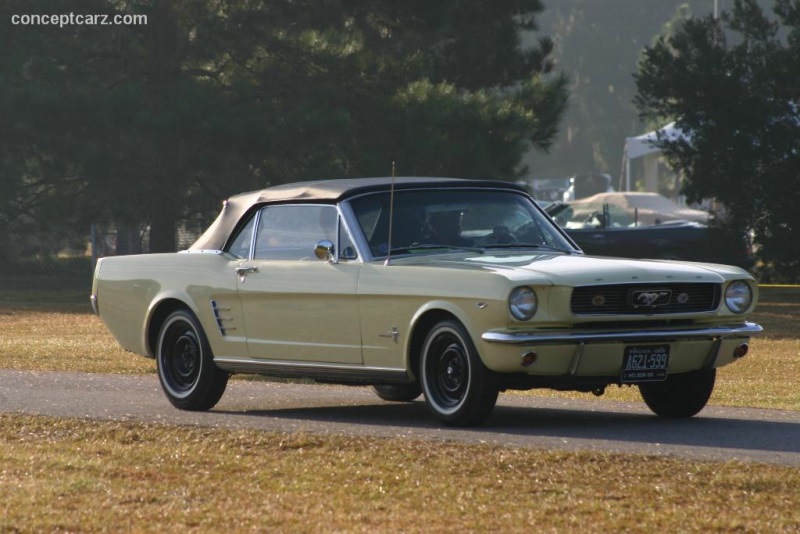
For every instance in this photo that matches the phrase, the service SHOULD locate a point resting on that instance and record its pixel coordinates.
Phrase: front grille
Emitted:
(645, 299)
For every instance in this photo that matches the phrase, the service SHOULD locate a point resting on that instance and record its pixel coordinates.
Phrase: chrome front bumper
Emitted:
(552, 337)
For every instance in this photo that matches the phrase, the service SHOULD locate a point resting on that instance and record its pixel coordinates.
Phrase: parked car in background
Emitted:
(587, 184)
(454, 289)
(648, 225)
(549, 189)
(632, 208)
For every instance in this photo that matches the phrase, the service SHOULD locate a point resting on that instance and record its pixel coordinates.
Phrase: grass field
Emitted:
(61, 475)
(69, 475)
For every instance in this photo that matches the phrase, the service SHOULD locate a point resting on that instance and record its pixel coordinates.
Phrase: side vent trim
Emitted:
(220, 318)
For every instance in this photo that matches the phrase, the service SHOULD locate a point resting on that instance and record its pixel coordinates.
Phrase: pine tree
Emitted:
(732, 83)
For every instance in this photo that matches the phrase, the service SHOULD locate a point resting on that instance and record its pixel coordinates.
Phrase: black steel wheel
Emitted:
(186, 368)
(459, 389)
(680, 395)
(398, 392)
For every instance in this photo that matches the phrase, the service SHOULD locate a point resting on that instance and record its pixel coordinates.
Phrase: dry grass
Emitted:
(777, 311)
(60, 475)
(35, 339)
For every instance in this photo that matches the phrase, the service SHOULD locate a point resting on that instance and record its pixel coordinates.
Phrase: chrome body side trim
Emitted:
(345, 374)
(533, 338)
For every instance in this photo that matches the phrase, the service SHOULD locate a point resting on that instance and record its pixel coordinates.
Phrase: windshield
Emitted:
(445, 219)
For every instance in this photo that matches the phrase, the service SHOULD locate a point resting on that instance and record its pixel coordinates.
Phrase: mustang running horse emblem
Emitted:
(651, 298)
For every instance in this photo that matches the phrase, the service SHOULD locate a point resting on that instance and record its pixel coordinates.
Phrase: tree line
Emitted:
(152, 125)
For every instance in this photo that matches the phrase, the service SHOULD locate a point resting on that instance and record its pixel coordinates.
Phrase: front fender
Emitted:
(474, 316)
(443, 306)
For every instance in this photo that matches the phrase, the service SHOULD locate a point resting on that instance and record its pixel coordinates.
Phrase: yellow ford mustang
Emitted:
(455, 289)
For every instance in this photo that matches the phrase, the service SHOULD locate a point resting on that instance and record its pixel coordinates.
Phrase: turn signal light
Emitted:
(741, 350)
(529, 358)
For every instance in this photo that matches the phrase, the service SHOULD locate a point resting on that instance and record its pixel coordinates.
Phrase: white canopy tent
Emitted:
(643, 146)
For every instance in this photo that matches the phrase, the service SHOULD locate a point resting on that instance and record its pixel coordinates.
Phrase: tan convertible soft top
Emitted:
(330, 191)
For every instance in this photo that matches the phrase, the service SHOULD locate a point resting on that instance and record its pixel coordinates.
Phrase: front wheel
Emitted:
(680, 395)
(459, 389)
(186, 368)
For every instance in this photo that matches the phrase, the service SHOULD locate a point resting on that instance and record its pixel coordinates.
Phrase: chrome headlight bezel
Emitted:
(523, 303)
(738, 296)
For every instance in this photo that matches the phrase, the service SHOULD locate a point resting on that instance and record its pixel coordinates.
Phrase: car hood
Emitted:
(576, 269)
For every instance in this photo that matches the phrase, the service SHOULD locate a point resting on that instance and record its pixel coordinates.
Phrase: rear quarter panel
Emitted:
(130, 290)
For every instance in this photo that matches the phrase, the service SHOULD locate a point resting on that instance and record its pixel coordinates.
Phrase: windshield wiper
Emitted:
(430, 246)
(528, 245)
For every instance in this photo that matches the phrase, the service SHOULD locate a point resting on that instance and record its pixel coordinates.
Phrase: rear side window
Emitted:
(240, 246)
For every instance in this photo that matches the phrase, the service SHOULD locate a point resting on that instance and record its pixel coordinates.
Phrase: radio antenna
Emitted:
(391, 219)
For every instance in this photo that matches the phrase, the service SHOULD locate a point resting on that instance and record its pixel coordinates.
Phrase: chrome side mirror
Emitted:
(325, 250)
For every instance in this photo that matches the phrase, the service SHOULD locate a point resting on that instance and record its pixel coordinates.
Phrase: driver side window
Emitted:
(290, 232)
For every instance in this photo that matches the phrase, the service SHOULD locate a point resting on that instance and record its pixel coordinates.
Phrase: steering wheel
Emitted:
(500, 235)
(595, 220)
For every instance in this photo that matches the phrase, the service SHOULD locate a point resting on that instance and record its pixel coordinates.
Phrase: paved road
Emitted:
(769, 436)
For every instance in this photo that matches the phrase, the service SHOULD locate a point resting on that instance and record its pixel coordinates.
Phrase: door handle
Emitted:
(242, 270)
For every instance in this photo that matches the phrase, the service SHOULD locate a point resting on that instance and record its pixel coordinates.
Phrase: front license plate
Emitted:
(645, 363)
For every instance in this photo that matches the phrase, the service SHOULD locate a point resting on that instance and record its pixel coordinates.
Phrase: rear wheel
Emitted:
(680, 395)
(398, 393)
(459, 389)
(186, 368)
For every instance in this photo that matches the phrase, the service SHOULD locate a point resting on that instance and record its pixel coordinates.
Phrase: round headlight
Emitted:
(738, 297)
(523, 303)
